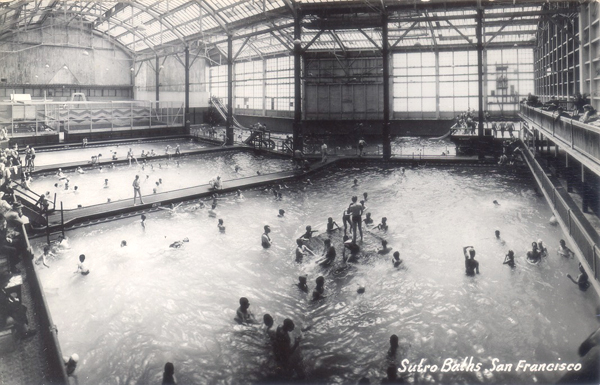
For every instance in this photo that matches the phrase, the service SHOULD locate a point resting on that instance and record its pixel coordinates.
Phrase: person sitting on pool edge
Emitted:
(243, 315)
(471, 265)
(81, 267)
(509, 259)
(215, 184)
(319, 290)
(308, 234)
(564, 251)
(329, 252)
(582, 279)
(265, 239)
(301, 249)
(396, 259)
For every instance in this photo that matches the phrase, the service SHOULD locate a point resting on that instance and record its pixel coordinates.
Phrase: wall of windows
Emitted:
(261, 87)
(279, 91)
(508, 78)
(218, 82)
(248, 84)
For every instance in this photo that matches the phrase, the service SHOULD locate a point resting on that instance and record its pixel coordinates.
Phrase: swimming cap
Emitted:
(75, 357)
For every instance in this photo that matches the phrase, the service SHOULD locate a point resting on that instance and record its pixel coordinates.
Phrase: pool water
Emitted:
(409, 146)
(84, 155)
(192, 170)
(146, 304)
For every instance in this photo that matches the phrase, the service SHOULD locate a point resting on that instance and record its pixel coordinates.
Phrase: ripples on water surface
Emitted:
(147, 304)
(193, 170)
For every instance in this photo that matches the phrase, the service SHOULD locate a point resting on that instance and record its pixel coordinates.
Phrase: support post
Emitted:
(229, 125)
(298, 138)
(187, 90)
(387, 146)
(157, 71)
(479, 33)
(584, 188)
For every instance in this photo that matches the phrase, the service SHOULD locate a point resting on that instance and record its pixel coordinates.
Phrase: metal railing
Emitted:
(586, 239)
(37, 118)
(582, 137)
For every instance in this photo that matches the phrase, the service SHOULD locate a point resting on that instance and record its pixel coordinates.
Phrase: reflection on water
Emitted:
(146, 304)
(177, 173)
(82, 155)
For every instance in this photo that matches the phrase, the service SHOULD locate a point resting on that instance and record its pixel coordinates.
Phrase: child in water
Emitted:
(330, 224)
(81, 267)
(42, 258)
(221, 226)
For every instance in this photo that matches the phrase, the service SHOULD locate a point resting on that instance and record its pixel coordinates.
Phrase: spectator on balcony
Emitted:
(560, 112)
(533, 100)
(551, 105)
(579, 101)
(590, 114)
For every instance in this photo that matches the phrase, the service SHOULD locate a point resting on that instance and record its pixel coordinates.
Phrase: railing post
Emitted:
(571, 133)
(62, 219)
(47, 228)
(569, 216)
(54, 202)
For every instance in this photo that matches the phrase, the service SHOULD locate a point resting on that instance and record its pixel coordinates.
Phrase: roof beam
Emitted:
(285, 44)
(317, 35)
(370, 39)
(404, 34)
(460, 33)
(498, 31)
(338, 41)
(214, 15)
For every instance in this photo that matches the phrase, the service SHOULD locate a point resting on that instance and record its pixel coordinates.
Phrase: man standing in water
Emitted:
(355, 210)
(265, 239)
(283, 347)
(471, 265)
(136, 189)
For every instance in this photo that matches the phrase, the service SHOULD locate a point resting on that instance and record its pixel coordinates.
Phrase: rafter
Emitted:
(460, 33)
(370, 39)
(498, 31)
(404, 34)
(285, 44)
(338, 41)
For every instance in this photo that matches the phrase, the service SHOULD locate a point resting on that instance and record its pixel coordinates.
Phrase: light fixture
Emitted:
(65, 67)
(131, 69)
(161, 67)
(86, 53)
(47, 65)
(297, 41)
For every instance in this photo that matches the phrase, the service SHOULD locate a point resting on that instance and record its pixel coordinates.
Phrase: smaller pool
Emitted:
(83, 155)
(412, 145)
(179, 172)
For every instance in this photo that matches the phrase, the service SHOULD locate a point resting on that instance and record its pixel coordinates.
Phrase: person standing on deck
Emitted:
(137, 190)
(324, 152)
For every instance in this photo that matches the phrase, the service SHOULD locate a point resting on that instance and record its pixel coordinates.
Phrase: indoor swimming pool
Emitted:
(177, 173)
(77, 154)
(145, 304)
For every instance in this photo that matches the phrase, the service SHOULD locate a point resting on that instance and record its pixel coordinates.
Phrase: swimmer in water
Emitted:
(80, 267)
(509, 259)
(365, 195)
(396, 259)
(564, 251)
(43, 258)
(238, 195)
(123, 243)
(80, 170)
(221, 226)
(355, 183)
(302, 283)
(582, 280)
(212, 212)
(281, 213)
(105, 183)
(368, 220)
(172, 207)
(384, 248)
(498, 238)
(143, 221)
(243, 315)
(542, 249)
(383, 225)
(179, 244)
(471, 265)
(393, 346)
(319, 291)
(237, 168)
(330, 224)
(534, 255)
(265, 239)
(60, 175)
(496, 203)
(301, 249)
(402, 170)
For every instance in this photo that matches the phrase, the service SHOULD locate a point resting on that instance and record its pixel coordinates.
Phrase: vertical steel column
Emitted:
(387, 146)
(584, 190)
(298, 135)
(186, 117)
(229, 124)
(479, 32)
(157, 70)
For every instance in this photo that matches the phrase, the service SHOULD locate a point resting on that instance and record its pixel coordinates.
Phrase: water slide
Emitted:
(450, 131)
